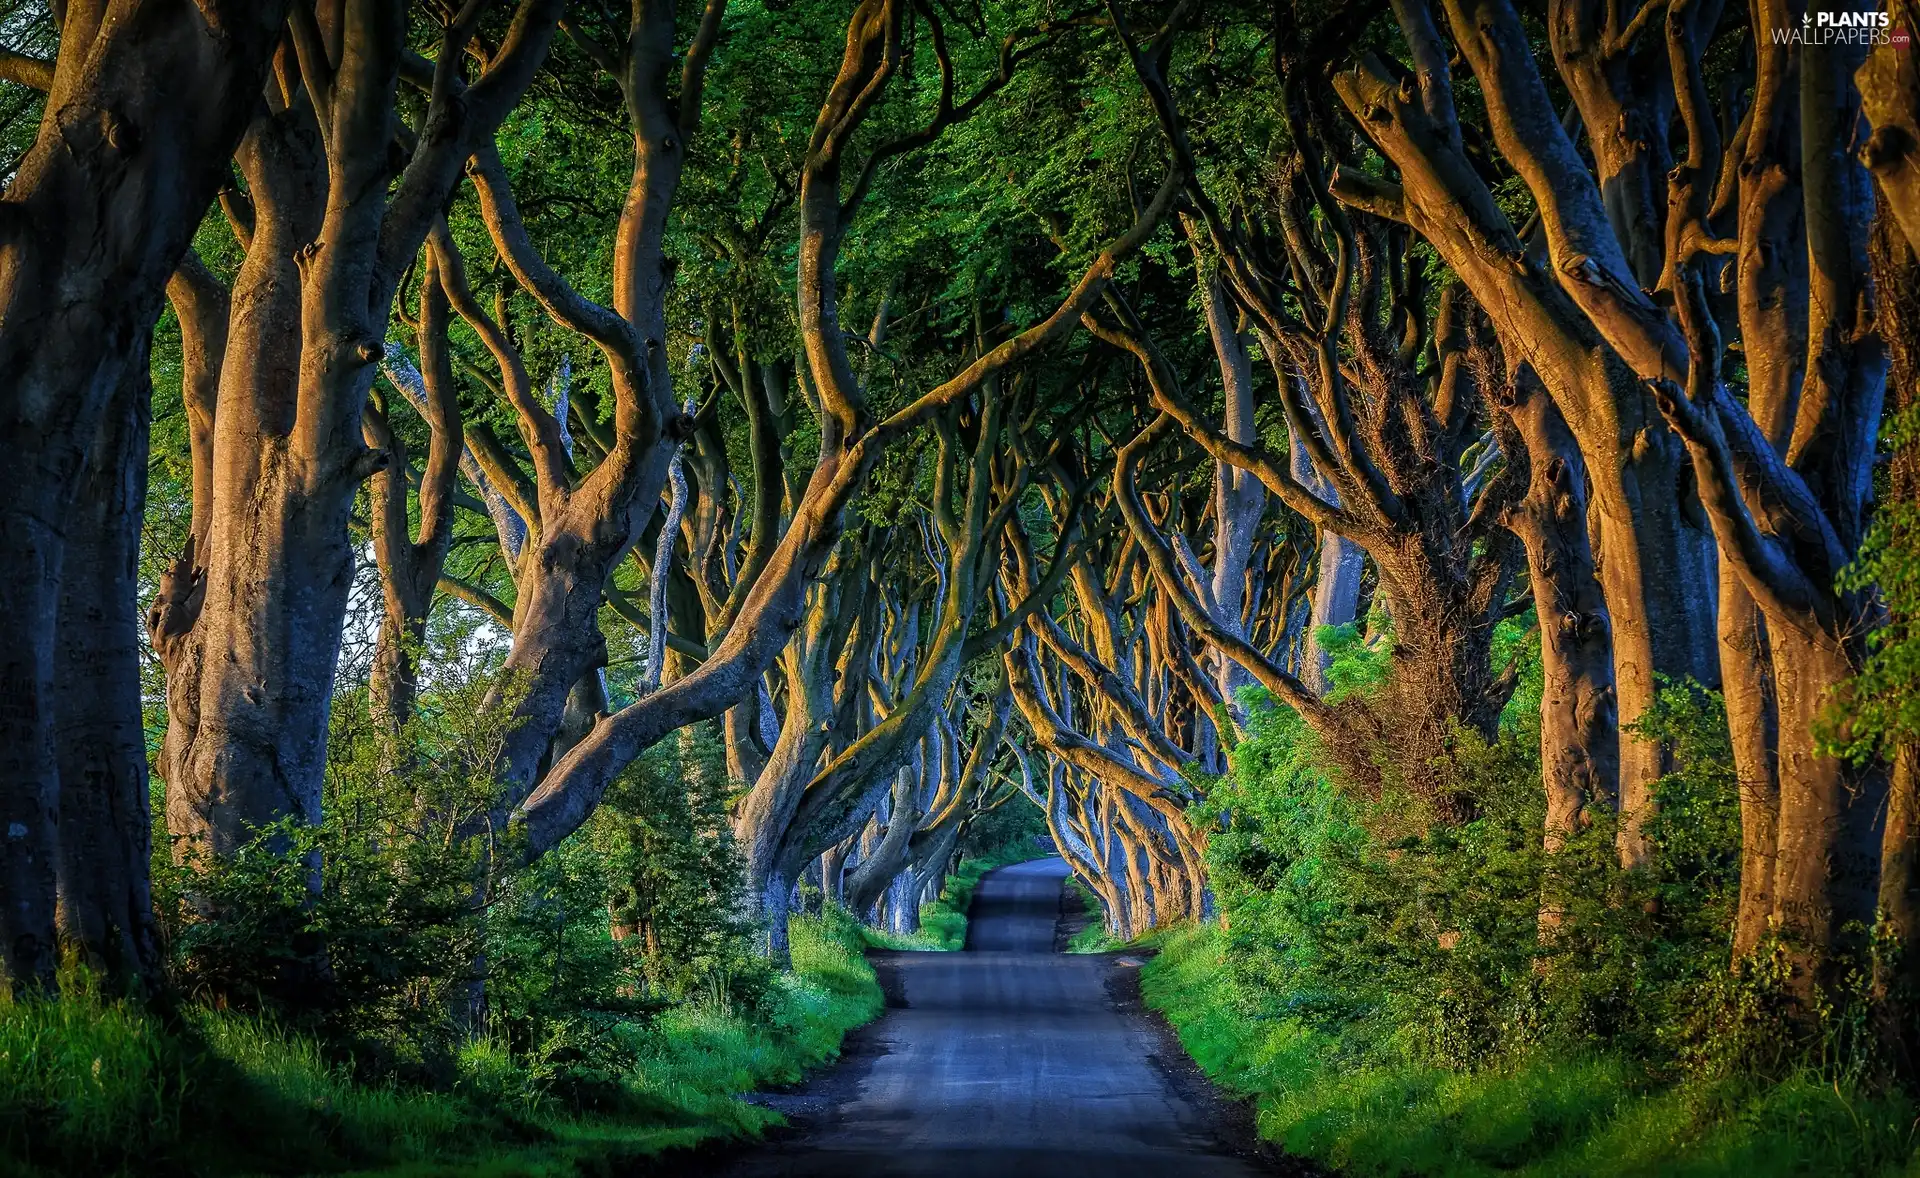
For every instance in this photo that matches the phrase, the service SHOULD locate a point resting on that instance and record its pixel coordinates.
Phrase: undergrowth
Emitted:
(92, 1085)
(1385, 990)
(1092, 937)
(1554, 1111)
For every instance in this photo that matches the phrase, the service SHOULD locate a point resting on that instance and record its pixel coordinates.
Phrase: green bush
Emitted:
(364, 932)
(94, 1085)
(1554, 1110)
(1427, 942)
(384, 991)
(90, 1084)
(1386, 988)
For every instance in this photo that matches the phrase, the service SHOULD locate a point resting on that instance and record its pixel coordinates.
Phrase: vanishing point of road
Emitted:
(1003, 1061)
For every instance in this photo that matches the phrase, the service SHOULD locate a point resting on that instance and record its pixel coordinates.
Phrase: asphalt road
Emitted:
(1003, 1061)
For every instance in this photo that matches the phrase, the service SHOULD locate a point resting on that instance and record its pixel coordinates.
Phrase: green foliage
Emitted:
(1011, 826)
(365, 930)
(1880, 710)
(1426, 943)
(671, 872)
(97, 1086)
(93, 1085)
(327, 976)
(1093, 938)
(1457, 1000)
(1554, 1110)
(1360, 656)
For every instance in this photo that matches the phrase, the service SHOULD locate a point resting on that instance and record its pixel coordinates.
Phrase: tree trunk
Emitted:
(1831, 822)
(1771, 308)
(1753, 722)
(1336, 599)
(885, 862)
(410, 564)
(740, 734)
(1579, 724)
(106, 201)
(775, 907)
(836, 601)
(903, 902)
(1900, 878)
(1656, 563)
(1831, 812)
(246, 741)
(335, 230)
(1338, 565)
(1657, 572)
(105, 830)
(1238, 498)
(832, 860)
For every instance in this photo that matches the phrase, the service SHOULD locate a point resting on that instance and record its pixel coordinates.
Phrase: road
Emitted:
(1002, 1061)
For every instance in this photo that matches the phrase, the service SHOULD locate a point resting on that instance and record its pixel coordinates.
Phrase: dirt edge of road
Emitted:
(1073, 917)
(1232, 1120)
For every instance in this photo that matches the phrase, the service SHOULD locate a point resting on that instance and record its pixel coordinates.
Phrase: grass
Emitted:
(943, 923)
(1545, 1115)
(1093, 937)
(97, 1086)
(91, 1085)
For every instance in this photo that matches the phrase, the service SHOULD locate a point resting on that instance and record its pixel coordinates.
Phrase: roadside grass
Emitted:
(943, 923)
(93, 1085)
(1093, 937)
(1543, 1115)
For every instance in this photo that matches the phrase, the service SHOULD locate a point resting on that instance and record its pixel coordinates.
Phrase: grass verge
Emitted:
(96, 1086)
(943, 923)
(1092, 937)
(1544, 1115)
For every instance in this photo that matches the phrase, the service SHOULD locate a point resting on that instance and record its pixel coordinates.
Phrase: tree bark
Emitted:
(103, 206)
(335, 229)
(1889, 82)
(880, 867)
(411, 563)
(1656, 565)
(1579, 726)
(1753, 724)
(1238, 498)
(1336, 601)
(105, 830)
(236, 758)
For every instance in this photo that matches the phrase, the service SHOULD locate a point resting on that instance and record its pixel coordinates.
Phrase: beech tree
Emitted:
(250, 628)
(1761, 210)
(1653, 558)
(103, 206)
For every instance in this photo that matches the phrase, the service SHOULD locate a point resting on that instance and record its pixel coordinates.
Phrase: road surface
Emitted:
(1003, 1061)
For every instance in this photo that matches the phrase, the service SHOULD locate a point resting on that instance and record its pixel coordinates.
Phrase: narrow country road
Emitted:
(1002, 1061)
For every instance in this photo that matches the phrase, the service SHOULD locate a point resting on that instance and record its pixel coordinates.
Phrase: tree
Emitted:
(253, 644)
(1580, 319)
(102, 206)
